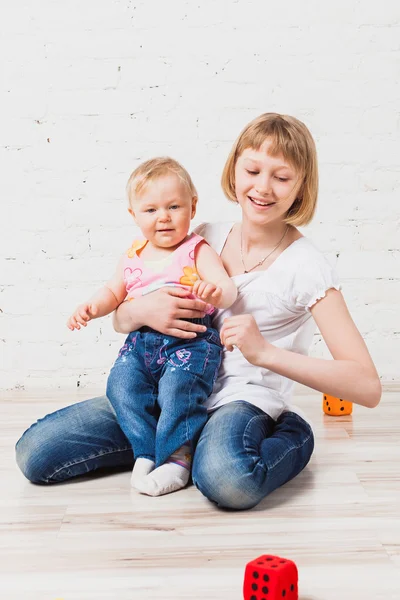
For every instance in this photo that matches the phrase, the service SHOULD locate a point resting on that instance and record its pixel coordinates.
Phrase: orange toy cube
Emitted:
(336, 407)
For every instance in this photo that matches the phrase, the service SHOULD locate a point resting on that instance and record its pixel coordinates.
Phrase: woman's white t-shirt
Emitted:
(279, 299)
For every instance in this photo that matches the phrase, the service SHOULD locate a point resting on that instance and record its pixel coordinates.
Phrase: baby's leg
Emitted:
(173, 475)
(182, 391)
(133, 394)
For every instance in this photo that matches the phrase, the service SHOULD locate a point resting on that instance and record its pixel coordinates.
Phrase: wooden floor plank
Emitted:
(97, 539)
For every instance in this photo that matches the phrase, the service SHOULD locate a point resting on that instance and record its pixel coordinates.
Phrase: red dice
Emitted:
(269, 578)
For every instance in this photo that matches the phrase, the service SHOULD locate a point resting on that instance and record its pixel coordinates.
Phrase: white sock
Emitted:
(141, 468)
(173, 475)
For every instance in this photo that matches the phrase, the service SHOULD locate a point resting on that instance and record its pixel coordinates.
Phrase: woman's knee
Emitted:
(226, 465)
(53, 449)
(34, 455)
(243, 455)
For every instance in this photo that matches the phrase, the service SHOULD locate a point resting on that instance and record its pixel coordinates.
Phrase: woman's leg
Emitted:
(73, 441)
(243, 455)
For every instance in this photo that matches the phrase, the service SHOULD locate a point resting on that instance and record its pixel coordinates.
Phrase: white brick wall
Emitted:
(90, 88)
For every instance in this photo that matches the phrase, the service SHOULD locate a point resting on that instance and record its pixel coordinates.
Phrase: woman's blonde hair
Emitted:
(151, 170)
(290, 138)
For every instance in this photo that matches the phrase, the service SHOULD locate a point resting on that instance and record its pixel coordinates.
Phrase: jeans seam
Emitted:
(294, 447)
(206, 358)
(155, 343)
(289, 450)
(77, 462)
(256, 461)
(188, 409)
(195, 378)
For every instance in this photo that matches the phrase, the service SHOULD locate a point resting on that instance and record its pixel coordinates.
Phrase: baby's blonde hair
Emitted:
(290, 138)
(151, 170)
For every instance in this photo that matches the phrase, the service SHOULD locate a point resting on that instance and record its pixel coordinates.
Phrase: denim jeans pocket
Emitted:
(212, 336)
(200, 357)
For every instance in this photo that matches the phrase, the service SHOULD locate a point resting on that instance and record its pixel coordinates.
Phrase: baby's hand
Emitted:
(82, 315)
(208, 292)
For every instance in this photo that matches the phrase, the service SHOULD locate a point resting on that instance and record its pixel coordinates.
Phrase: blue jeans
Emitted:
(156, 372)
(241, 457)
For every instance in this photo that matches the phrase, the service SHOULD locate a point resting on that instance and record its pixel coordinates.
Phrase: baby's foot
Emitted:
(168, 478)
(141, 468)
(173, 475)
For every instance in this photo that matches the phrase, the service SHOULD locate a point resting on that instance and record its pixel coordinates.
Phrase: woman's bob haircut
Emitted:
(290, 138)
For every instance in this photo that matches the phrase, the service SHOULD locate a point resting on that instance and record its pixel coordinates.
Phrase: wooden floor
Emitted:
(97, 539)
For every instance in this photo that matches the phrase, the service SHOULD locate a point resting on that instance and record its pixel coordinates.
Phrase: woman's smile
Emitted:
(261, 204)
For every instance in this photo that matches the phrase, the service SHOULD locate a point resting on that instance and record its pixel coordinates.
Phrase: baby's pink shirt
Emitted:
(178, 269)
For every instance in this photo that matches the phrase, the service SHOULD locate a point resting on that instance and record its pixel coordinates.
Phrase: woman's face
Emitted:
(266, 186)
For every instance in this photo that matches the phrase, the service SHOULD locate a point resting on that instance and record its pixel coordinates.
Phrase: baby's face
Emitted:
(164, 210)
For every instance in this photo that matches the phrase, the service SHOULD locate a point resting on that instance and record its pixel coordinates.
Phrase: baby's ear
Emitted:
(130, 211)
(194, 204)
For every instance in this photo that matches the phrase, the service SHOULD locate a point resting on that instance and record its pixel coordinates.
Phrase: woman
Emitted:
(254, 440)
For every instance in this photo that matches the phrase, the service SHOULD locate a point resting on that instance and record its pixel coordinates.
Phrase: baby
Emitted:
(159, 383)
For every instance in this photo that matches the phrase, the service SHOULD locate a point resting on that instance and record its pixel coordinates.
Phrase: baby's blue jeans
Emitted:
(158, 387)
(242, 454)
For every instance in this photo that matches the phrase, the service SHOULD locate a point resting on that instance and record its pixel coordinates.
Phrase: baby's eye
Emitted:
(174, 206)
(150, 210)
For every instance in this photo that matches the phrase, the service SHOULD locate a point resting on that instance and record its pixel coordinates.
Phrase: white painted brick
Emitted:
(89, 90)
(387, 316)
(383, 179)
(346, 149)
(339, 179)
(385, 14)
(369, 265)
(356, 235)
(364, 205)
(384, 292)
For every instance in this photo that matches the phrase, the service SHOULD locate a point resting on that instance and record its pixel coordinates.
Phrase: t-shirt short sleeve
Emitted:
(200, 229)
(215, 234)
(313, 279)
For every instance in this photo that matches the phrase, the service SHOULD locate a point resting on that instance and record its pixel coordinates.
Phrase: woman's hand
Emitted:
(163, 310)
(242, 331)
(82, 315)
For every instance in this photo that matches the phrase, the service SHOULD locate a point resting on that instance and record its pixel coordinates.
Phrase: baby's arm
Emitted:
(214, 286)
(103, 302)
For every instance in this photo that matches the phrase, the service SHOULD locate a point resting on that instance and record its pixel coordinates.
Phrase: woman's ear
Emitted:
(194, 204)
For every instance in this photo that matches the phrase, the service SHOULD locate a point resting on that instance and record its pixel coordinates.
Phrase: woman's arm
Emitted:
(163, 310)
(215, 285)
(351, 375)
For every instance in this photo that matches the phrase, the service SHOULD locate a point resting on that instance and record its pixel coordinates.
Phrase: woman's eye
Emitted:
(252, 172)
(282, 178)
